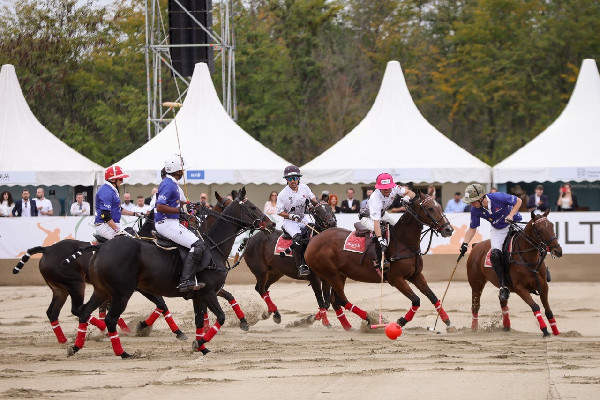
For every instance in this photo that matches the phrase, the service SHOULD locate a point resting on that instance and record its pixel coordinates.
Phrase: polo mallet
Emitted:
(381, 324)
(172, 105)
(444, 296)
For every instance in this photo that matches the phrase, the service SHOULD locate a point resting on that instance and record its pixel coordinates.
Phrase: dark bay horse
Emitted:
(527, 270)
(123, 264)
(326, 257)
(269, 267)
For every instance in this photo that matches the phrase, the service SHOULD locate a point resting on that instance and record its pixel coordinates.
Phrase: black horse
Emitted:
(269, 267)
(123, 264)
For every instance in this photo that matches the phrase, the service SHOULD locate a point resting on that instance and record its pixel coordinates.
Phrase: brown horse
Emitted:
(326, 257)
(527, 270)
(268, 267)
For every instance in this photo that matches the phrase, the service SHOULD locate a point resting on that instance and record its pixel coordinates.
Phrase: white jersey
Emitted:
(294, 202)
(378, 203)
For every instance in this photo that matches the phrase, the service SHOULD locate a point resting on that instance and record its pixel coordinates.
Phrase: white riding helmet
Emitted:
(174, 163)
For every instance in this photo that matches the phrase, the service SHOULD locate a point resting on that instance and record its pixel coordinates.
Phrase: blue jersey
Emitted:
(107, 199)
(501, 205)
(168, 194)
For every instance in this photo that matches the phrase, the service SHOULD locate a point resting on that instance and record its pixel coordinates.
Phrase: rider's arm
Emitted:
(127, 212)
(410, 193)
(377, 228)
(469, 235)
(514, 209)
(165, 209)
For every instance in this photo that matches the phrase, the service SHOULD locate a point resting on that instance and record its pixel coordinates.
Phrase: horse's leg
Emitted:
(272, 277)
(236, 308)
(317, 286)
(117, 306)
(200, 317)
(262, 289)
(211, 301)
(84, 315)
(161, 308)
(421, 284)
(401, 284)
(59, 298)
(549, 316)
(340, 300)
(524, 294)
(477, 282)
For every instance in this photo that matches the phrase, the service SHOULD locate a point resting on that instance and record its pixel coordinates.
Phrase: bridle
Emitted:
(322, 223)
(434, 224)
(536, 242)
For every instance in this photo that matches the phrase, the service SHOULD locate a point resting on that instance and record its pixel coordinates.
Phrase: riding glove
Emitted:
(382, 242)
(463, 249)
(295, 217)
(122, 232)
(138, 214)
(406, 199)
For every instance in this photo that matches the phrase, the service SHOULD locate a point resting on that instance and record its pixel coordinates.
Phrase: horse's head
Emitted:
(429, 212)
(324, 216)
(222, 202)
(542, 230)
(250, 215)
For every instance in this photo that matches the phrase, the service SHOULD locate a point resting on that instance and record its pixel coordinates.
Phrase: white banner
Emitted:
(578, 232)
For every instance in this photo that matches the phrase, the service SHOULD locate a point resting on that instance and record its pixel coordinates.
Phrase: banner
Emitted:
(577, 232)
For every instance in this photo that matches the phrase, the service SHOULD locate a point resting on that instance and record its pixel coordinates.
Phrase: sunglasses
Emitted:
(292, 178)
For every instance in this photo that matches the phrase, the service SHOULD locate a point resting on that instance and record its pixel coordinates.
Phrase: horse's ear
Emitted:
(242, 193)
(218, 197)
(547, 212)
(234, 194)
(532, 215)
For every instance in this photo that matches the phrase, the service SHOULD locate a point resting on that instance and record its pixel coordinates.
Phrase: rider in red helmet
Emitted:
(380, 200)
(108, 204)
(292, 204)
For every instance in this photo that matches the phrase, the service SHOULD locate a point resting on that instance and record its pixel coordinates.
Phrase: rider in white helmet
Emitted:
(166, 220)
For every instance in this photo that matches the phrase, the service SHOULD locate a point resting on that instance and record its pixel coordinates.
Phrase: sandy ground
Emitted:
(297, 360)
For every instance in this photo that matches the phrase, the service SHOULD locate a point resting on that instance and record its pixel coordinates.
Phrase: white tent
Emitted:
(568, 149)
(215, 149)
(394, 137)
(29, 153)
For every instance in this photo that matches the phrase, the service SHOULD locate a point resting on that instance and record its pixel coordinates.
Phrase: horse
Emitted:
(268, 267)
(123, 264)
(328, 259)
(527, 270)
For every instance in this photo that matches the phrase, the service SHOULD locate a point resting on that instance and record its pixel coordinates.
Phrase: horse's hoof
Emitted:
(401, 321)
(310, 319)
(546, 333)
(180, 335)
(450, 329)
(205, 351)
(125, 355)
(71, 350)
(265, 315)
(506, 328)
(277, 317)
(244, 325)
(328, 326)
(195, 345)
(140, 326)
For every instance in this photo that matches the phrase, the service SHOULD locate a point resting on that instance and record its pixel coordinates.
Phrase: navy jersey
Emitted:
(107, 199)
(500, 205)
(168, 194)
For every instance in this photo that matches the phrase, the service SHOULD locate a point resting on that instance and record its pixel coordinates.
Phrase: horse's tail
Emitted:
(27, 256)
(79, 253)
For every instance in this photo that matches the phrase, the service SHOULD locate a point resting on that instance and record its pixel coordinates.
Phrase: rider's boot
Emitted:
(379, 252)
(188, 274)
(498, 265)
(298, 254)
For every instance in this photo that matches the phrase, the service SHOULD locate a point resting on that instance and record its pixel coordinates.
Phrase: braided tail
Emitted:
(79, 253)
(27, 256)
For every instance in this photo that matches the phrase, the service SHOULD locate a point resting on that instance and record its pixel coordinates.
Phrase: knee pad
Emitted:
(198, 248)
(496, 257)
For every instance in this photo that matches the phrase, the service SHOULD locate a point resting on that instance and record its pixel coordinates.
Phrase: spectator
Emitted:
(44, 205)
(204, 200)
(127, 203)
(148, 200)
(141, 207)
(518, 191)
(366, 200)
(456, 204)
(325, 196)
(80, 207)
(333, 201)
(271, 204)
(494, 190)
(539, 201)
(567, 201)
(25, 207)
(350, 205)
(6, 204)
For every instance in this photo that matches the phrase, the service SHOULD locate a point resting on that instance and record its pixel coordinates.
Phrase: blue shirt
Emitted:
(500, 205)
(453, 206)
(168, 194)
(107, 199)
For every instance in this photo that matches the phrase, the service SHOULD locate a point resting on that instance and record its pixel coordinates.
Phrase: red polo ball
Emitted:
(393, 331)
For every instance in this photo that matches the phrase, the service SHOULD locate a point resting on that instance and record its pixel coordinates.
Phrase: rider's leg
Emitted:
(497, 237)
(298, 254)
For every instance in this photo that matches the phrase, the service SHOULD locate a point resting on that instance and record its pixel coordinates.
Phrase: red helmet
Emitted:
(113, 173)
(384, 181)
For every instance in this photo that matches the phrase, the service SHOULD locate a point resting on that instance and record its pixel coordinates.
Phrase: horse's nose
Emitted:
(332, 224)
(557, 252)
(447, 232)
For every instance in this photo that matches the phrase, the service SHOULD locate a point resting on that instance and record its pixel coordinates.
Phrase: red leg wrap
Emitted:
(361, 313)
(236, 307)
(540, 319)
(411, 313)
(153, 317)
(270, 305)
(552, 322)
(324, 319)
(58, 332)
(123, 326)
(474, 322)
(81, 331)
(171, 322)
(97, 323)
(102, 315)
(505, 317)
(343, 320)
(206, 323)
(441, 311)
(116, 343)
(199, 333)
(212, 332)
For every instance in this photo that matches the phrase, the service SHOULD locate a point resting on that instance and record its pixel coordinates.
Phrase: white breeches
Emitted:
(292, 227)
(497, 237)
(178, 233)
(106, 231)
(369, 224)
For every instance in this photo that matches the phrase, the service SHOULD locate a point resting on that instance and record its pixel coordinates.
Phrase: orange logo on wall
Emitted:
(52, 237)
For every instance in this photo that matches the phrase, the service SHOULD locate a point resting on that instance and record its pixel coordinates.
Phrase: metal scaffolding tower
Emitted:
(159, 65)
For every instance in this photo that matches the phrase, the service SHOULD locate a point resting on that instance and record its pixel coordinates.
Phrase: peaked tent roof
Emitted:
(398, 140)
(214, 148)
(29, 153)
(568, 149)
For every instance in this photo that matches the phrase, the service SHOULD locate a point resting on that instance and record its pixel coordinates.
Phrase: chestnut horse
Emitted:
(326, 257)
(527, 270)
(269, 267)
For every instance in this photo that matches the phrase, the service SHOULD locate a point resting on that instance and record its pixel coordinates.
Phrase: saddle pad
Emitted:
(354, 243)
(488, 256)
(282, 245)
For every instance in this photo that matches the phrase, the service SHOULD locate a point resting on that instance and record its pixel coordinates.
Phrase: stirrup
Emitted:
(303, 270)
(190, 285)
